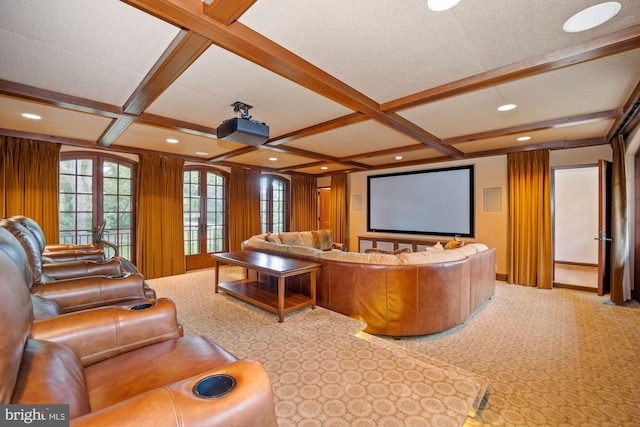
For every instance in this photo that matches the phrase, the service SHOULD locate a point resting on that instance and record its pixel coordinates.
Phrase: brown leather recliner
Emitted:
(72, 261)
(173, 381)
(60, 252)
(75, 294)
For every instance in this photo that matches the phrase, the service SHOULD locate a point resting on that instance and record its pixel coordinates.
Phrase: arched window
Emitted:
(274, 203)
(205, 207)
(97, 188)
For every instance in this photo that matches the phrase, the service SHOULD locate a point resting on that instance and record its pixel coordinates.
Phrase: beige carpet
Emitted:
(547, 357)
(323, 370)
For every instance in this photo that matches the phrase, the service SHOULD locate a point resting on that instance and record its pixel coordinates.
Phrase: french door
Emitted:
(96, 190)
(205, 210)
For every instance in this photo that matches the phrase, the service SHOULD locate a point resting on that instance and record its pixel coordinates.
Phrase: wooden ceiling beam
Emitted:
(610, 44)
(547, 124)
(185, 48)
(319, 128)
(227, 11)
(252, 46)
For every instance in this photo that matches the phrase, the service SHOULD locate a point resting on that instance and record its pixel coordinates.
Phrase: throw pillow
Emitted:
(291, 238)
(322, 239)
(454, 243)
(273, 238)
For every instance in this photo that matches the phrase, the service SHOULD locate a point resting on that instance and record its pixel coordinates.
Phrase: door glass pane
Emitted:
(215, 212)
(191, 208)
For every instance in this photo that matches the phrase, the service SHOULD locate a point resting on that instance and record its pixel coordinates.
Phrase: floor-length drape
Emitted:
(29, 175)
(244, 205)
(160, 236)
(304, 203)
(338, 216)
(530, 243)
(620, 285)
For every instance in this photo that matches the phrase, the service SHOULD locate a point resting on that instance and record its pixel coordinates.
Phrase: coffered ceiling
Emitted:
(343, 85)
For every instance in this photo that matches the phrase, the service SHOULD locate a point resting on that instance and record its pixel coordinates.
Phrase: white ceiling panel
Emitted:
(407, 156)
(203, 94)
(155, 139)
(263, 158)
(569, 133)
(99, 50)
(354, 139)
(54, 121)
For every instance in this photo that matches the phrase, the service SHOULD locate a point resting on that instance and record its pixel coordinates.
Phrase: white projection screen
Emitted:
(436, 201)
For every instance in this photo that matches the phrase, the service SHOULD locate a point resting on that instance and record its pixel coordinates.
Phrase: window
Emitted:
(274, 204)
(95, 189)
(205, 215)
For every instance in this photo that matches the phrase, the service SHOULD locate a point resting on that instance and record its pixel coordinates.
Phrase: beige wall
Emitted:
(490, 172)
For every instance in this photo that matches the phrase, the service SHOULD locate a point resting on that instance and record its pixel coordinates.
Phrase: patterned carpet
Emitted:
(324, 371)
(544, 358)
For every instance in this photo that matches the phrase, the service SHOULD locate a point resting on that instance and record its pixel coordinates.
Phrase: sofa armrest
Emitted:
(73, 269)
(89, 292)
(74, 255)
(250, 403)
(104, 332)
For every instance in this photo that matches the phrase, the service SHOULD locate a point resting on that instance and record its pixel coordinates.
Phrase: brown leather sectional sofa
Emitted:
(397, 295)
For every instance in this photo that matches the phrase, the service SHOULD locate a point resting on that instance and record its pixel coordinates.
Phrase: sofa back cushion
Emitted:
(52, 373)
(291, 238)
(16, 316)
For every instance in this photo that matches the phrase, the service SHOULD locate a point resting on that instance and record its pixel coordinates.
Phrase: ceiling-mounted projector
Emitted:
(242, 128)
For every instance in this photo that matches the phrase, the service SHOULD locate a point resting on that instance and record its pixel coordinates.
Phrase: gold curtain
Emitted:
(619, 280)
(160, 247)
(304, 203)
(29, 175)
(530, 244)
(244, 205)
(338, 217)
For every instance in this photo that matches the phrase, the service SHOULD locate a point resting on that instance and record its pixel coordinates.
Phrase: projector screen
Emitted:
(436, 201)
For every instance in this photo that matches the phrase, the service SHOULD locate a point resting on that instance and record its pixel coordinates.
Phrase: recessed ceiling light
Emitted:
(440, 5)
(31, 116)
(591, 17)
(324, 168)
(172, 141)
(202, 153)
(507, 107)
(524, 138)
(398, 157)
(273, 159)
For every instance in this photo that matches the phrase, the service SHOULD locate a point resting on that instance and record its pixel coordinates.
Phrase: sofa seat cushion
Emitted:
(51, 374)
(138, 371)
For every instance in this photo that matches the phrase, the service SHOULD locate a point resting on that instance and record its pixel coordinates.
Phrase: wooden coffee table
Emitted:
(275, 299)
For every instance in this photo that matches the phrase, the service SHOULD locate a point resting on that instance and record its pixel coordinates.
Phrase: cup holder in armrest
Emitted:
(214, 386)
(142, 306)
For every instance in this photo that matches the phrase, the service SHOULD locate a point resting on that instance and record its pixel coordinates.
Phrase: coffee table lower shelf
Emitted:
(265, 295)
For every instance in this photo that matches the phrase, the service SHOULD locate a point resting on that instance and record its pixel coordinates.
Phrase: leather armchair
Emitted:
(156, 384)
(52, 297)
(60, 252)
